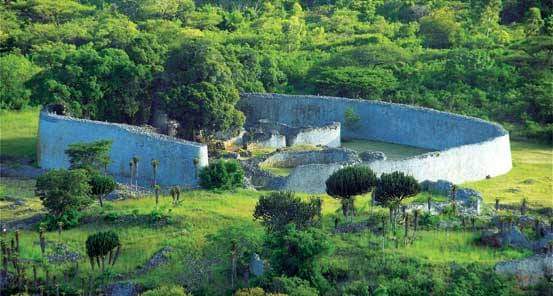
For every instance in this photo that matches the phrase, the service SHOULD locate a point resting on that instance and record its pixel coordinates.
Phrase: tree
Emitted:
(439, 29)
(61, 191)
(534, 23)
(392, 189)
(348, 182)
(155, 164)
(201, 94)
(101, 185)
(15, 71)
(278, 209)
(100, 245)
(92, 156)
(222, 174)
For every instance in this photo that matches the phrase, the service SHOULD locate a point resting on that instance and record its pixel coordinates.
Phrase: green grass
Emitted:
(531, 177)
(18, 133)
(392, 151)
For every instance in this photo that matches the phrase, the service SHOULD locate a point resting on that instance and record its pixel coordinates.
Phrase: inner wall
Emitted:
(394, 123)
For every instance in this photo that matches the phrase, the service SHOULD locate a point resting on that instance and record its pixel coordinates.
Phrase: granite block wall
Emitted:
(179, 160)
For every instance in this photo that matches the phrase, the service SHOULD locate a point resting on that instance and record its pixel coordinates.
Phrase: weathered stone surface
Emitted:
(178, 159)
(469, 148)
(257, 266)
(159, 258)
(529, 271)
(441, 187)
(370, 156)
(510, 238)
(122, 289)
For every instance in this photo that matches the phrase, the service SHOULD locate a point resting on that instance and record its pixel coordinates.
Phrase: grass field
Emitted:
(18, 132)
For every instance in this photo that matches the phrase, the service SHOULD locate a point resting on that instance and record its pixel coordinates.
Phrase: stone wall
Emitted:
(292, 159)
(469, 148)
(326, 135)
(179, 160)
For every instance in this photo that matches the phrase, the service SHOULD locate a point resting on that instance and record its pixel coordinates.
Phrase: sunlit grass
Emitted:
(531, 177)
(18, 132)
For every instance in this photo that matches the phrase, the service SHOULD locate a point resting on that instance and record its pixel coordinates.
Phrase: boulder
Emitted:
(257, 266)
(529, 271)
(442, 187)
(370, 156)
(122, 289)
(510, 238)
(544, 244)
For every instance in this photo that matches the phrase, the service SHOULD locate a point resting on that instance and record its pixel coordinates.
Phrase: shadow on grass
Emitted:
(18, 148)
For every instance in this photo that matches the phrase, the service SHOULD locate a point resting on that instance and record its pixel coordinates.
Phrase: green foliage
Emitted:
(61, 191)
(15, 71)
(293, 286)
(439, 29)
(101, 243)
(278, 209)
(101, 185)
(166, 291)
(92, 157)
(392, 188)
(68, 219)
(351, 118)
(348, 182)
(297, 252)
(222, 174)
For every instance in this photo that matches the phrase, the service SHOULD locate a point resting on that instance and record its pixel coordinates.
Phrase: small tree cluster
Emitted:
(92, 156)
(348, 182)
(222, 174)
(277, 209)
(100, 245)
(61, 191)
(392, 189)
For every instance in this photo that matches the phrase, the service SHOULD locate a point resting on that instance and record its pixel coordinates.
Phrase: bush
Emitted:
(166, 291)
(297, 253)
(61, 191)
(101, 185)
(278, 209)
(293, 286)
(99, 245)
(69, 219)
(222, 174)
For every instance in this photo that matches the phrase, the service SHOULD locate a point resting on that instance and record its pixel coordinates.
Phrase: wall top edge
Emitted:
(500, 129)
(47, 115)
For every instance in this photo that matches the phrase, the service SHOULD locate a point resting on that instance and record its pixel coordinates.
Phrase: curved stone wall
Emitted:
(179, 160)
(468, 148)
(292, 159)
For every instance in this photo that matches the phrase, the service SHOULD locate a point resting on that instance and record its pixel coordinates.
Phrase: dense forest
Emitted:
(118, 60)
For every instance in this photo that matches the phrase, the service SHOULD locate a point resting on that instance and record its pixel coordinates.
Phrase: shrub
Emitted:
(278, 209)
(69, 219)
(62, 190)
(297, 252)
(293, 286)
(102, 185)
(99, 245)
(222, 174)
(92, 156)
(166, 291)
(348, 182)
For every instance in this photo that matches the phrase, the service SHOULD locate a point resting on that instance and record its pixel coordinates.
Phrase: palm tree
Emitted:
(131, 168)
(156, 190)
(155, 164)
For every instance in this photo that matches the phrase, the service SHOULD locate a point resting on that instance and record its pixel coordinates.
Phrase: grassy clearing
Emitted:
(18, 132)
(22, 190)
(531, 177)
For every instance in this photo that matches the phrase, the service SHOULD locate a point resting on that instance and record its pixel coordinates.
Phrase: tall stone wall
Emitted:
(179, 160)
(326, 135)
(469, 149)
